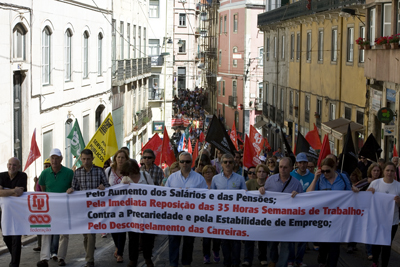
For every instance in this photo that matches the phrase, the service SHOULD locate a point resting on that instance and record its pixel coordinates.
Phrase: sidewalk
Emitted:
(26, 239)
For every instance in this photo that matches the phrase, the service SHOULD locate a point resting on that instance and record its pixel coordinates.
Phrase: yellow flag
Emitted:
(104, 142)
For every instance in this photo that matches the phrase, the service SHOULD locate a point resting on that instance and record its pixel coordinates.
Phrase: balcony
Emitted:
(265, 109)
(272, 112)
(258, 104)
(142, 117)
(156, 94)
(298, 9)
(382, 64)
(157, 61)
(280, 117)
(232, 101)
(130, 68)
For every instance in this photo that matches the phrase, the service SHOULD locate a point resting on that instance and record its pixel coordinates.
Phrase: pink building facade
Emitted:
(240, 59)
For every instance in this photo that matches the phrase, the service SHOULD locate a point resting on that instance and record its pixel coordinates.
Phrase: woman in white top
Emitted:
(114, 176)
(113, 173)
(387, 185)
(132, 174)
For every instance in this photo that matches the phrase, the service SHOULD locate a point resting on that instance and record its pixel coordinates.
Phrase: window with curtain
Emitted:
(67, 55)
(19, 42)
(46, 56)
(85, 54)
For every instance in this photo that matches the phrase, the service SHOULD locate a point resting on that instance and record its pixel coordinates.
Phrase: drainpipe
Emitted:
(340, 58)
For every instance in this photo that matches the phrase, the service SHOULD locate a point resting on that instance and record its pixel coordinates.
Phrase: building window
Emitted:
(19, 42)
(274, 96)
(291, 102)
(85, 54)
(223, 88)
(260, 92)
(260, 56)
(334, 45)
(144, 42)
(121, 40)
(360, 117)
(134, 41)
(85, 129)
(282, 99)
(235, 60)
(332, 112)
(350, 44)
(387, 19)
(320, 45)
(298, 47)
(182, 20)
(307, 109)
(128, 37)
(140, 41)
(372, 26)
(296, 103)
(234, 93)
(154, 47)
(219, 88)
(46, 55)
(225, 24)
(220, 57)
(308, 46)
(47, 142)
(182, 46)
(235, 23)
(100, 55)
(292, 46)
(67, 55)
(154, 8)
(319, 107)
(347, 113)
(283, 47)
(220, 25)
(266, 93)
(267, 44)
(275, 47)
(361, 52)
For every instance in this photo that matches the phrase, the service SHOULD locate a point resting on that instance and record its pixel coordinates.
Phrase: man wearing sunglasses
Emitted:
(185, 178)
(282, 182)
(229, 180)
(155, 172)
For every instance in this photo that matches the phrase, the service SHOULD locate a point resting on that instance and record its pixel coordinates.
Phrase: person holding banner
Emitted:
(13, 183)
(281, 182)
(185, 178)
(155, 172)
(387, 185)
(132, 174)
(327, 178)
(229, 180)
(56, 179)
(88, 177)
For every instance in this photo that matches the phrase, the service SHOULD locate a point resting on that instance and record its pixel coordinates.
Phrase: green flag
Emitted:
(77, 143)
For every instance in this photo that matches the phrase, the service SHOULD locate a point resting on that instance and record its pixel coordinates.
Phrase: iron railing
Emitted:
(156, 94)
(232, 101)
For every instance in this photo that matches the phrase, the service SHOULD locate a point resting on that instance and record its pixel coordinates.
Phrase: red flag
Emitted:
(266, 144)
(250, 156)
(395, 151)
(195, 152)
(154, 144)
(313, 139)
(168, 154)
(34, 153)
(190, 149)
(233, 136)
(256, 139)
(184, 144)
(202, 138)
(325, 151)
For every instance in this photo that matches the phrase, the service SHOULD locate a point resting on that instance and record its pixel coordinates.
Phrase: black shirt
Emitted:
(20, 180)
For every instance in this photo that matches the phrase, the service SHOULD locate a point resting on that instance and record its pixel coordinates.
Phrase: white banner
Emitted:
(324, 216)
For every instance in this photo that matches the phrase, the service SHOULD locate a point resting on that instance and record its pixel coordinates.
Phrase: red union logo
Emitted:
(40, 219)
(38, 203)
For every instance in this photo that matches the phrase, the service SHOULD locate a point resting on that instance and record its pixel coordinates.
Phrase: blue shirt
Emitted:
(275, 184)
(305, 179)
(234, 182)
(341, 183)
(194, 180)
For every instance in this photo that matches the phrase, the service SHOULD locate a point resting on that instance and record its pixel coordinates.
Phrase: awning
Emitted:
(338, 127)
(260, 124)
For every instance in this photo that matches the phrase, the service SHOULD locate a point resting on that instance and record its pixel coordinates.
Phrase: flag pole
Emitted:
(202, 147)
(341, 170)
(76, 161)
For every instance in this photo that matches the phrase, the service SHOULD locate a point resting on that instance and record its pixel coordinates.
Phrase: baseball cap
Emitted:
(301, 157)
(47, 161)
(55, 151)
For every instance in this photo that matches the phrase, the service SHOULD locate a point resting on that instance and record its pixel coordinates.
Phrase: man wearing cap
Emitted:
(56, 179)
(13, 183)
(303, 174)
(88, 177)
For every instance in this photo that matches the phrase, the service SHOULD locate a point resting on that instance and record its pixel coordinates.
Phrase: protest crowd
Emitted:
(200, 164)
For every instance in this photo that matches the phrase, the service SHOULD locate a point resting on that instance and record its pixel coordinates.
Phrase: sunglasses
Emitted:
(325, 171)
(147, 157)
(227, 162)
(185, 161)
(270, 162)
(250, 173)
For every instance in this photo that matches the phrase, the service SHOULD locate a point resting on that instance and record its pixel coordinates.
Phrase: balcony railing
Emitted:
(232, 101)
(140, 66)
(299, 8)
(156, 94)
(129, 68)
(265, 109)
(142, 117)
(272, 112)
(279, 117)
(157, 61)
